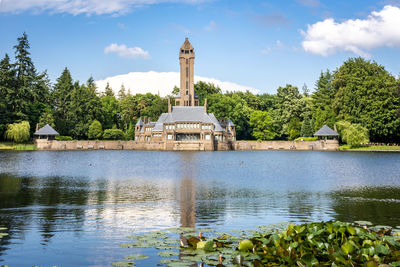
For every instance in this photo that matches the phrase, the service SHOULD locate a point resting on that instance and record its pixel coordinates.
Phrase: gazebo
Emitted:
(326, 132)
(46, 132)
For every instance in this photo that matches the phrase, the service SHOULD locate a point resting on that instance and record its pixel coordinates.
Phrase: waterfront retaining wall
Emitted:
(42, 144)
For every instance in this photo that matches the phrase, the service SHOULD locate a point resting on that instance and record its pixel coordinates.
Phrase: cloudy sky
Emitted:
(259, 45)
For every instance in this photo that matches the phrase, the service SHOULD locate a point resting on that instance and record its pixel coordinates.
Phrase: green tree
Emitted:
(322, 100)
(290, 104)
(307, 129)
(18, 132)
(7, 85)
(353, 134)
(61, 100)
(111, 109)
(366, 95)
(203, 90)
(108, 91)
(113, 134)
(262, 125)
(47, 118)
(95, 130)
(121, 92)
(294, 127)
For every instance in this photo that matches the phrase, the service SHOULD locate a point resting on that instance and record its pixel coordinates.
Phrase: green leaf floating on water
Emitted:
(123, 264)
(136, 257)
(168, 253)
(3, 228)
(310, 244)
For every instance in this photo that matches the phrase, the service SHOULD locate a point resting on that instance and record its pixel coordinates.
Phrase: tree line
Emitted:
(360, 97)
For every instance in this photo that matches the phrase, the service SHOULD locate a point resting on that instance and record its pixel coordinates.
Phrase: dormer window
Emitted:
(182, 51)
(186, 51)
(191, 51)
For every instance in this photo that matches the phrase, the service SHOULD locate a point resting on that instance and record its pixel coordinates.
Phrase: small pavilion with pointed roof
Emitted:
(326, 132)
(46, 132)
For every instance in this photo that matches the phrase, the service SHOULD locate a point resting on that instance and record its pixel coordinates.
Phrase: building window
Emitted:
(187, 92)
(186, 51)
(182, 51)
(187, 61)
(191, 51)
(187, 72)
(170, 137)
(187, 85)
(207, 137)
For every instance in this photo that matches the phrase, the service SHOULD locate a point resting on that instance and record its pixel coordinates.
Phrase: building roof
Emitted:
(139, 122)
(186, 45)
(217, 125)
(159, 124)
(230, 123)
(326, 131)
(188, 114)
(46, 130)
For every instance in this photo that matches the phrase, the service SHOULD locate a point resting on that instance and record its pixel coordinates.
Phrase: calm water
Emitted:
(74, 208)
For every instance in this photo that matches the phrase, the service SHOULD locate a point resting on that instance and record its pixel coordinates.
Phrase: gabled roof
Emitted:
(230, 123)
(46, 130)
(326, 131)
(159, 124)
(139, 122)
(217, 125)
(188, 114)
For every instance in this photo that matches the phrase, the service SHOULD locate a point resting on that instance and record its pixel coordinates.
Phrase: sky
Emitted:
(259, 45)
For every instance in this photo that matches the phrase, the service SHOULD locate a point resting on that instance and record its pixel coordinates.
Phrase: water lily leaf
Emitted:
(3, 228)
(351, 230)
(128, 245)
(181, 230)
(123, 264)
(309, 260)
(395, 264)
(192, 241)
(347, 248)
(363, 222)
(381, 249)
(168, 253)
(371, 264)
(136, 257)
(209, 246)
(239, 259)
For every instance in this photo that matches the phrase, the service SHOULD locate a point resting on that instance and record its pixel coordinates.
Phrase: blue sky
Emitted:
(260, 44)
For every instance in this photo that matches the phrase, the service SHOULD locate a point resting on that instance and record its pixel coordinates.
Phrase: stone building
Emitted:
(187, 126)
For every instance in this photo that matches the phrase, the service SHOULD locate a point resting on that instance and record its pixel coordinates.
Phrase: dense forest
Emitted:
(359, 94)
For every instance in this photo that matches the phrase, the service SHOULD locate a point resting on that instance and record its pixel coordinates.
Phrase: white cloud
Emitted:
(76, 7)
(211, 26)
(161, 83)
(126, 52)
(278, 45)
(357, 36)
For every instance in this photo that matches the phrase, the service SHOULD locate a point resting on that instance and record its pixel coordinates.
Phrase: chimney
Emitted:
(205, 105)
(169, 105)
(37, 127)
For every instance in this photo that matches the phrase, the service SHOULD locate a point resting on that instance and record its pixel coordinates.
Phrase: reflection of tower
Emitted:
(188, 203)
(188, 190)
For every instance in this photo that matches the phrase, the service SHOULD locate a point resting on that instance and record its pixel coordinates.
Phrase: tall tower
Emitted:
(187, 96)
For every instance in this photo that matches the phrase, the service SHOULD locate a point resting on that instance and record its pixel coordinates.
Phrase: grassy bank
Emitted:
(14, 146)
(369, 148)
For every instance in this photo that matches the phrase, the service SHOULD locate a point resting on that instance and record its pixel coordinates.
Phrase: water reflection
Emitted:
(57, 204)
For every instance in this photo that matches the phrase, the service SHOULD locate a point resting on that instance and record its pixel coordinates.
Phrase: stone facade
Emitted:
(320, 145)
(187, 126)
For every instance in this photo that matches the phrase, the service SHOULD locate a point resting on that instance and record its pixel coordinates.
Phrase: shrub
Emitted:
(18, 132)
(113, 134)
(95, 130)
(306, 139)
(63, 138)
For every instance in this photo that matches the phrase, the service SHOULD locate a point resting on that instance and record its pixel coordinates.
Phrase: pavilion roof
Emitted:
(46, 130)
(326, 131)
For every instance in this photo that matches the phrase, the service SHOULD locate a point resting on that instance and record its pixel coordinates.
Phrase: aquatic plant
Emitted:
(331, 243)
(2, 234)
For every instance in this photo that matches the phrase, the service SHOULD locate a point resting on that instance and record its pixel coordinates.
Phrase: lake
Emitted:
(74, 208)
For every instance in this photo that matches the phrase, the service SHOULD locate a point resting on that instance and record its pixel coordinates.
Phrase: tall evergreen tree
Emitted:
(7, 84)
(108, 91)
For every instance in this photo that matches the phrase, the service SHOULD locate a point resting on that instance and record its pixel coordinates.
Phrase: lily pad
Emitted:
(3, 228)
(363, 222)
(168, 253)
(136, 257)
(123, 264)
